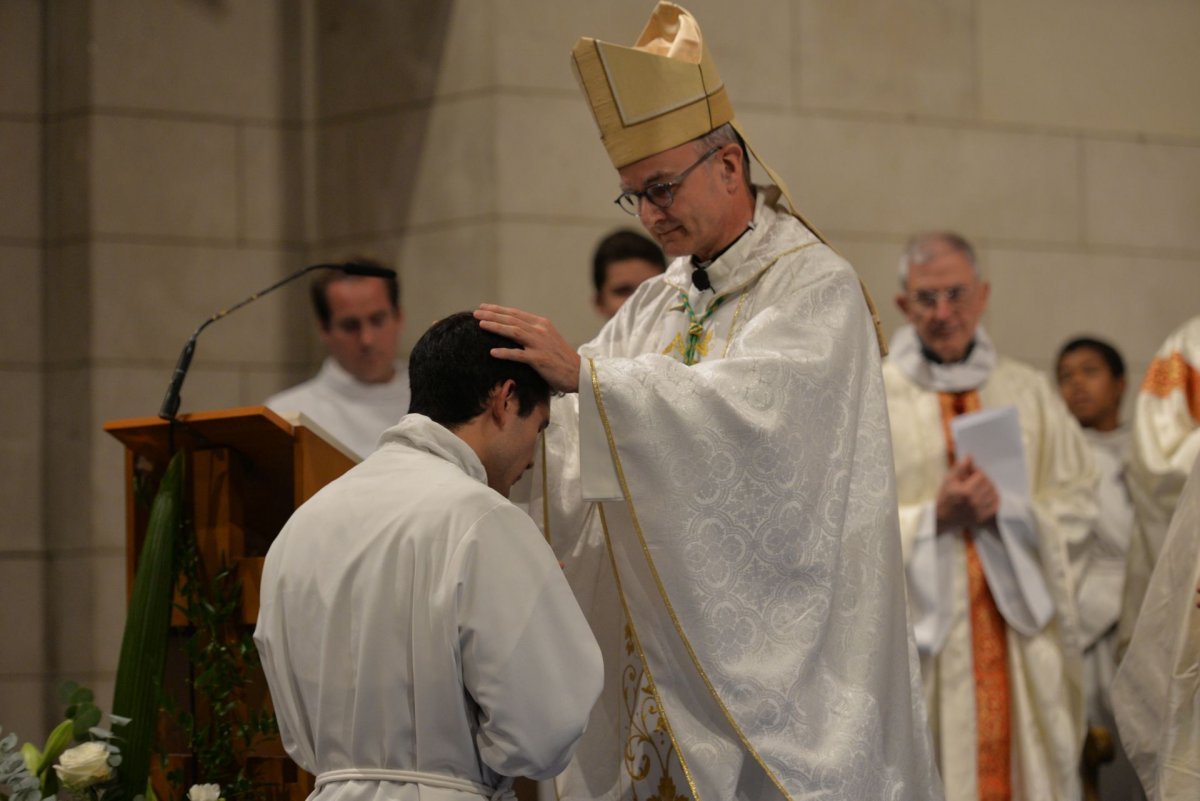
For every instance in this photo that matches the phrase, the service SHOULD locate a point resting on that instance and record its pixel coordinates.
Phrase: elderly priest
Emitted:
(988, 550)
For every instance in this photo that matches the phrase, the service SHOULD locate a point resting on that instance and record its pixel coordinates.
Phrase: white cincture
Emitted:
(502, 793)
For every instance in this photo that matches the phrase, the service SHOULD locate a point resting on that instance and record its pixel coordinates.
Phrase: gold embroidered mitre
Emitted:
(660, 93)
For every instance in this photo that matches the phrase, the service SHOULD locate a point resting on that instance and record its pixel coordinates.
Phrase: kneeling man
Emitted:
(416, 631)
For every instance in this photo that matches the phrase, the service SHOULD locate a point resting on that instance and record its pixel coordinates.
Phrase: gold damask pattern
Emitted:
(1173, 373)
(651, 762)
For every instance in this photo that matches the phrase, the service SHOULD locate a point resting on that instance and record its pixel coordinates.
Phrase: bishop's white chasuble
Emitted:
(721, 493)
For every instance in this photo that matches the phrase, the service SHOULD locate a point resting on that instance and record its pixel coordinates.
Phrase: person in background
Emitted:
(990, 592)
(1091, 379)
(621, 262)
(362, 387)
(1156, 689)
(1166, 442)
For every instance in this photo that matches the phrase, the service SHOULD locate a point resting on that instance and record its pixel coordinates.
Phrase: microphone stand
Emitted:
(170, 404)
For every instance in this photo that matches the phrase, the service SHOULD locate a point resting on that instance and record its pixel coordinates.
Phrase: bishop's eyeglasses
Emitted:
(662, 194)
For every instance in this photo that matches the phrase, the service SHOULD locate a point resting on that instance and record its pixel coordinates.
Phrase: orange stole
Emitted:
(989, 647)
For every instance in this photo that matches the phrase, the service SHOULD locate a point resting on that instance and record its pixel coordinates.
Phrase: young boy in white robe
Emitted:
(416, 631)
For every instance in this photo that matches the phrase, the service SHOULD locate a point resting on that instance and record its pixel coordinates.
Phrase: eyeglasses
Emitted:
(927, 299)
(661, 195)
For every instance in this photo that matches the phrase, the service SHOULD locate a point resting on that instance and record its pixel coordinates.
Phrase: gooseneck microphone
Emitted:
(170, 404)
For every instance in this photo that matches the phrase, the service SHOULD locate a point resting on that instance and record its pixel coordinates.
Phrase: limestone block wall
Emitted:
(165, 158)
(153, 174)
(23, 545)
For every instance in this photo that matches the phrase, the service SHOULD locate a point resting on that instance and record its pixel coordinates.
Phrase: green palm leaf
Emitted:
(144, 644)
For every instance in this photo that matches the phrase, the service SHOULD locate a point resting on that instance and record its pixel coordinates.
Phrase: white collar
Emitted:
(971, 373)
(336, 376)
(419, 432)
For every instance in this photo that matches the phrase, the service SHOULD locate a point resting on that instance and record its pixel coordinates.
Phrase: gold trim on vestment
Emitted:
(737, 312)
(662, 590)
(637, 643)
(545, 493)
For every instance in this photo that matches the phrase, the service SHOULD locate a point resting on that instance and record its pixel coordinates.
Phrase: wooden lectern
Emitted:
(248, 469)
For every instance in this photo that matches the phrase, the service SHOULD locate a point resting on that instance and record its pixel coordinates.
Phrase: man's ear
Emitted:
(730, 159)
(902, 302)
(503, 403)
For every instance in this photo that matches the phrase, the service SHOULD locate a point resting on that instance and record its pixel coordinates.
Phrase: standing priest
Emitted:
(718, 481)
(988, 571)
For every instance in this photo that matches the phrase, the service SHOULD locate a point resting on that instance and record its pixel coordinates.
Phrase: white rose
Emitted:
(82, 766)
(205, 792)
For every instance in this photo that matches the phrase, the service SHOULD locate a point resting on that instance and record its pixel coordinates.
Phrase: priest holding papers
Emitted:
(717, 478)
(996, 486)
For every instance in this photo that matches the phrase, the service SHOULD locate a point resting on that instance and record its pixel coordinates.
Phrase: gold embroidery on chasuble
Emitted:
(1166, 375)
(676, 346)
(989, 647)
(651, 763)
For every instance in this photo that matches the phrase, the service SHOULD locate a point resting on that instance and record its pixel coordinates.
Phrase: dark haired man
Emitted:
(417, 634)
(1091, 378)
(622, 261)
(361, 388)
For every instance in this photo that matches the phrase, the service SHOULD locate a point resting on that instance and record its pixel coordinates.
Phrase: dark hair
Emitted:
(324, 278)
(1111, 356)
(452, 372)
(620, 245)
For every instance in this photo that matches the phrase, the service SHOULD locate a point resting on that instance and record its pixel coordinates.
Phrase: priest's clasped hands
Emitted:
(543, 348)
(967, 498)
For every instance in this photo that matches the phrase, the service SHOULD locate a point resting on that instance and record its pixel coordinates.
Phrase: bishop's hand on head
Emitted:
(542, 347)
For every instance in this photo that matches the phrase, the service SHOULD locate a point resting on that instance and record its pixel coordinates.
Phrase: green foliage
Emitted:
(225, 657)
(144, 644)
(29, 775)
(17, 781)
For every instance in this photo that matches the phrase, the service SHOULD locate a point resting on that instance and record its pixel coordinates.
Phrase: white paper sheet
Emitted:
(992, 438)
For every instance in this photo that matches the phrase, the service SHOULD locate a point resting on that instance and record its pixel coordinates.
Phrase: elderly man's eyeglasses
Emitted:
(927, 299)
(661, 195)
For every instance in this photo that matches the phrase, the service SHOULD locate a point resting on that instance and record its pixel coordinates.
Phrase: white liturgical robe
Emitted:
(1166, 443)
(353, 412)
(1099, 568)
(417, 634)
(729, 527)
(1156, 694)
(1024, 561)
